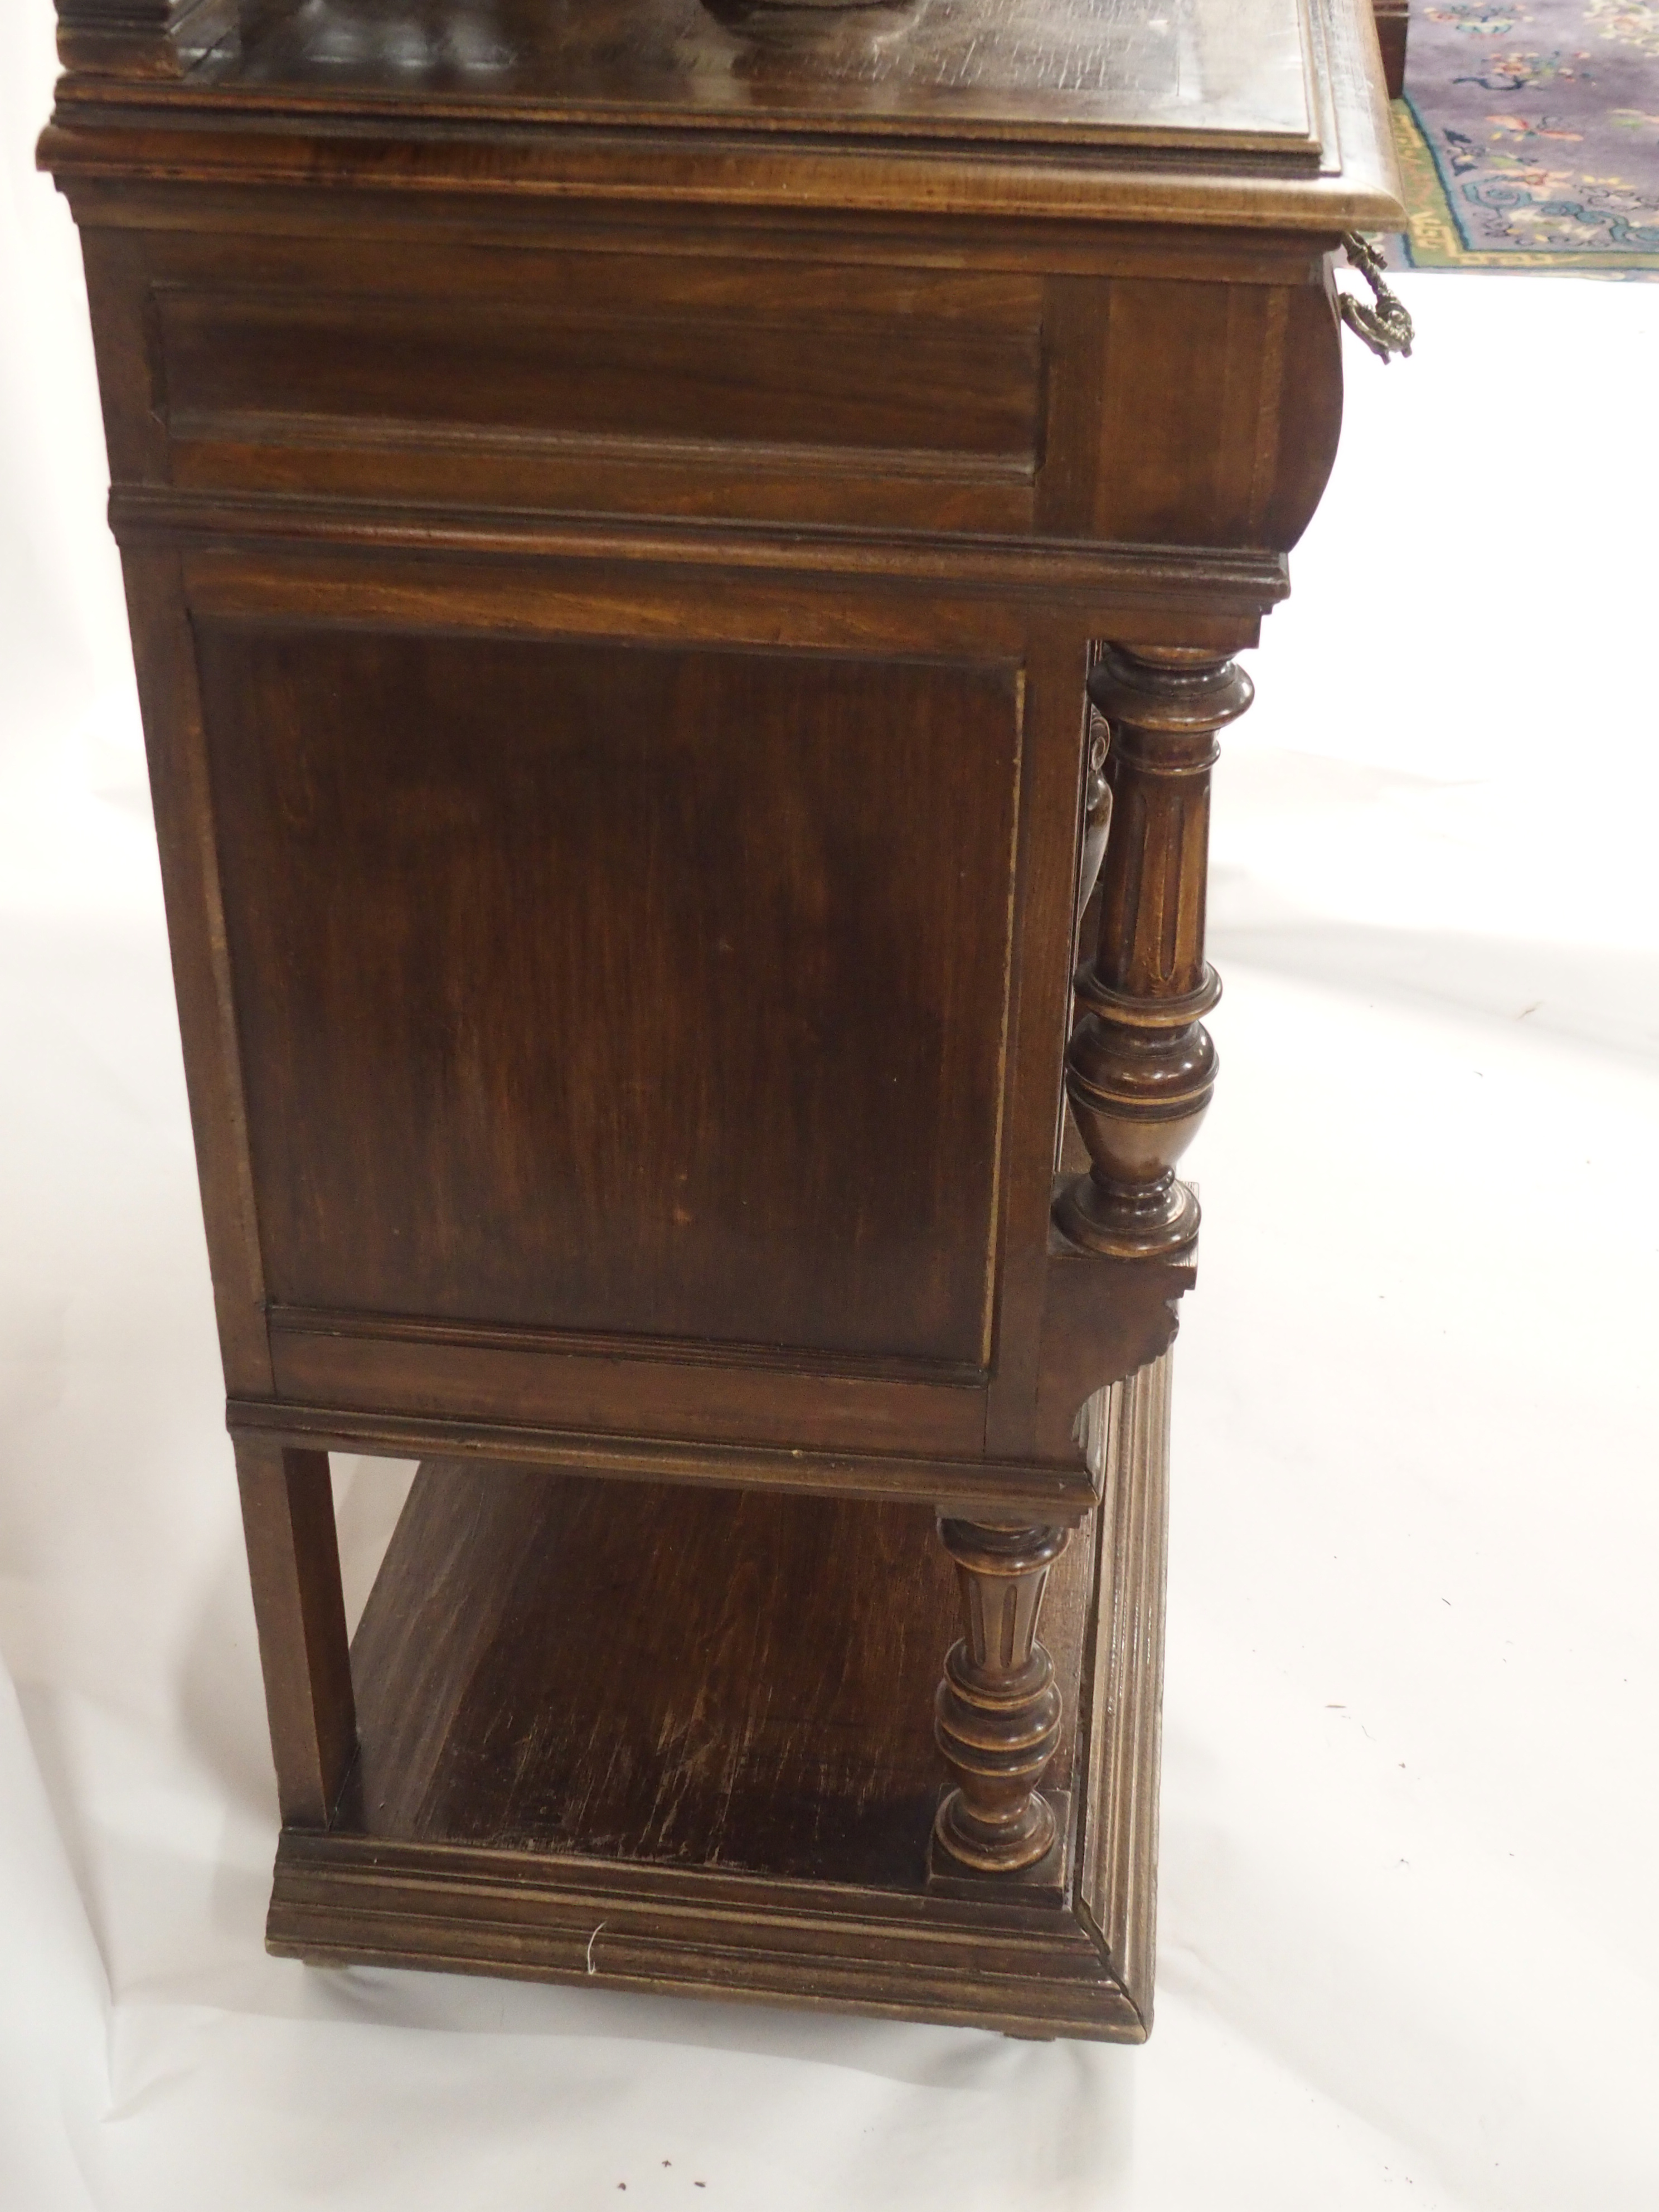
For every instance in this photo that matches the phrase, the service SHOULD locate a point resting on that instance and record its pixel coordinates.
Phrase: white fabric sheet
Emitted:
(1408, 1938)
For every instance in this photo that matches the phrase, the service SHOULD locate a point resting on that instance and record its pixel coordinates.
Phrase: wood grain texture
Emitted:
(833, 591)
(143, 38)
(1140, 1066)
(630, 991)
(620, 508)
(638, 1855)
(193, 889)
(719, 1679)
(294, 1561)
(596, 381)
(1060, 1489)
(992, 109)
(1001, 1710)
(1122, 1732)
(584, 378)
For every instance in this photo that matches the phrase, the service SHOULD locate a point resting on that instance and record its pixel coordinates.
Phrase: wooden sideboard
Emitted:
(663, 546)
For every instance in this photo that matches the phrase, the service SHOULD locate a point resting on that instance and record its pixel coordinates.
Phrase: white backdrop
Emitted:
(1409, 1927)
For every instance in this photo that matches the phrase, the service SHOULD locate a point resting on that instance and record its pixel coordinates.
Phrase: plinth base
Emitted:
(672, 1740)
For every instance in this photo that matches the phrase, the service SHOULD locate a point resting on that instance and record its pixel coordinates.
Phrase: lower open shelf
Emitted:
(668, 1739)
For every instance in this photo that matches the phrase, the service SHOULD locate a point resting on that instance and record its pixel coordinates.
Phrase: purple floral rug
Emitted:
(1529, 135)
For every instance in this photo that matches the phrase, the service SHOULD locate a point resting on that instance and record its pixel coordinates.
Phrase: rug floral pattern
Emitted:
(1530, 134)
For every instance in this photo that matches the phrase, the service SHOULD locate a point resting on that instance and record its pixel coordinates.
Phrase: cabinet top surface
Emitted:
(1221, 73)
(1259, 113)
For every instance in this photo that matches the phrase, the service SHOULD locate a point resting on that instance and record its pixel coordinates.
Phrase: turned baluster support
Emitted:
(997, 1712)
(1140, 1068)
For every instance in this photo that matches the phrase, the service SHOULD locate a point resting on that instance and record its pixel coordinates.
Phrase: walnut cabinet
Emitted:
(684, 563)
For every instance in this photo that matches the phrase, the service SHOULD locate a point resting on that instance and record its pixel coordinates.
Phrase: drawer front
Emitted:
(602, 382)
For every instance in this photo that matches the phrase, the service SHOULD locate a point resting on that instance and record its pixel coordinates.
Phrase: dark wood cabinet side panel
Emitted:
(124, 340)
(609, 988)
(1162, 405)
(719, 1679)
(191, 881)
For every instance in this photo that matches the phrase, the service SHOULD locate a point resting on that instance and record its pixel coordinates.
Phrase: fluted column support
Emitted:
(1140, 1068)
(998, 1713)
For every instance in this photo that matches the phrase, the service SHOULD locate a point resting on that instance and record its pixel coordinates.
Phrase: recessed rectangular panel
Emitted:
(606, 989)
(831, 362)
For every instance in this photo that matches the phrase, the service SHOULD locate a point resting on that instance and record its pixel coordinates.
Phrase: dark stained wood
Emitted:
(1393, 25)
(999, 1710)
(1121, 1726)
(622, 991)
(1100, 1322)
(170, 697)
(621, 508)
(471, 371)
(1076, 109)
(1098, 71)
(143, 38)
(294, 1560)
(1061, 1489)
(1140, 1066)
(714, 1679)
(1078, 1964)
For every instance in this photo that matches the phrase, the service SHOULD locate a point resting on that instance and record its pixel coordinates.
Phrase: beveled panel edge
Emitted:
(1042, 1489)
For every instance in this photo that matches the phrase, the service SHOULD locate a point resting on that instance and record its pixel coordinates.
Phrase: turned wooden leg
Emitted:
(294, 1562)
(1140, 1068)
(996, 1717)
